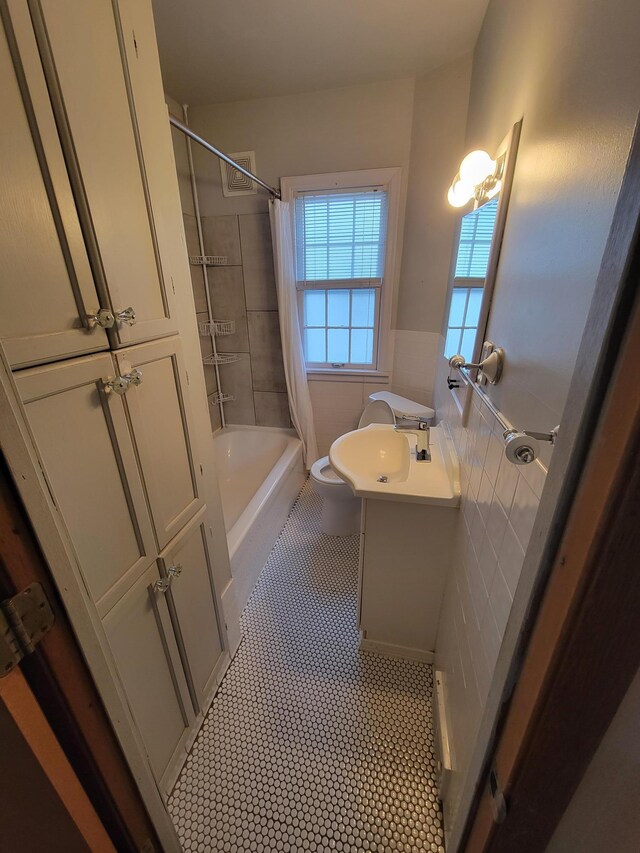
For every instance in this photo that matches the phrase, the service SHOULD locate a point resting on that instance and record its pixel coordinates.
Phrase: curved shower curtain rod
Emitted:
(213, 150)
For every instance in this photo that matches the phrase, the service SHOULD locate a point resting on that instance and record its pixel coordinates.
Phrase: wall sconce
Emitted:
(479, 178)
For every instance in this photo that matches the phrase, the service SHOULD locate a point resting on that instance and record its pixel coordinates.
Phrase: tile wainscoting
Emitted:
(499, 505)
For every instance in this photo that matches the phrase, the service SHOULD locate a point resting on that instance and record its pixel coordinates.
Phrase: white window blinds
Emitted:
(340, 236)
(476, 234)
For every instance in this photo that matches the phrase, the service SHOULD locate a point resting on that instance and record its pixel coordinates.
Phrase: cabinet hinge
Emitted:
(498, 802)
(24, 619)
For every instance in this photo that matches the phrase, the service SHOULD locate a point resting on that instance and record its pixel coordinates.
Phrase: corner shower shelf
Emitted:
(209, 260)
(219, 328)
(219, 397)
(221, 358)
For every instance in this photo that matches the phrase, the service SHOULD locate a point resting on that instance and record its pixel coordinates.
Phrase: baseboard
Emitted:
(231, 616)
(390, 651)
(442, 745)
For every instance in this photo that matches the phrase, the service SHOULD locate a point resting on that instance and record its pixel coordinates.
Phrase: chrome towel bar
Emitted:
(520, 445)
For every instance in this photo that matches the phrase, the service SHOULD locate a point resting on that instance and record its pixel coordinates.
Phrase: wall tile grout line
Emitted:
(311, 744)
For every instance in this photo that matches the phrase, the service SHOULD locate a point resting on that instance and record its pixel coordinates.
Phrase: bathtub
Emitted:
(260, 473)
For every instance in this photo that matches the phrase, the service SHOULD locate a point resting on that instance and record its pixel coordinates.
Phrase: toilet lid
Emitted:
(377, 412)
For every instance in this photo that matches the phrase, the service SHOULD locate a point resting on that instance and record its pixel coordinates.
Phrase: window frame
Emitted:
(390, 180)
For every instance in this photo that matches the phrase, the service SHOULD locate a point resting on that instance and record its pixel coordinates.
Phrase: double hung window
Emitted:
(340, 260)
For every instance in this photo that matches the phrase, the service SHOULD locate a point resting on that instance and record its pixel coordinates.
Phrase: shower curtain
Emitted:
(292, 352)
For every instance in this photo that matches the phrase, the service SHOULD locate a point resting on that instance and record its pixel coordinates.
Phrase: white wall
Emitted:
(571, 72)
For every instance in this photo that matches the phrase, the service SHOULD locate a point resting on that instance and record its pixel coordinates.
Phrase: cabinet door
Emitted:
(47, 289)
(144, 649)
(159, 413)
(83, 55)
(141, 52)
(87, 456)
(192, 600)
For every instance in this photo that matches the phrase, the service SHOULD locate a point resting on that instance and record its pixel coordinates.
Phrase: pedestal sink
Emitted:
(379, 462)
(408, 524)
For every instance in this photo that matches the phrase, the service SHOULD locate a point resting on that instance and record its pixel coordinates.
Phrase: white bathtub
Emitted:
(260, 473)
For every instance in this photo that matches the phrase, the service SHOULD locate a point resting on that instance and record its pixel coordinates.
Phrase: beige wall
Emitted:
(571, 71)
(603, 813)
(357, 127)
(360, 127)
(437, 147)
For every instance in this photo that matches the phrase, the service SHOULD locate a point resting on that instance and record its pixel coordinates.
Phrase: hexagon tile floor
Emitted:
(311, 744)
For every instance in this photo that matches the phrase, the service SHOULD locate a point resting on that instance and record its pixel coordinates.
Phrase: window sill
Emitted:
(350, 375)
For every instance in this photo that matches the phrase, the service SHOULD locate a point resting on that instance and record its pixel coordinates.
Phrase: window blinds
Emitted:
(340, 236)
(476, 234)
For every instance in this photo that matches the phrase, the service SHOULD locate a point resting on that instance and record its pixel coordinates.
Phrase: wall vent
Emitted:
(233, 181)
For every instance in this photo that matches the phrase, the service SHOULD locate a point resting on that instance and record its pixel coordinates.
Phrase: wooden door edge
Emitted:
(32, 724)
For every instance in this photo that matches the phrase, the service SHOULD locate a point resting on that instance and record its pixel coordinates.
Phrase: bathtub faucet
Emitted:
(420, 428)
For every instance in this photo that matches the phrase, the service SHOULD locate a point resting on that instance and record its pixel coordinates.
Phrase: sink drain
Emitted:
(383, 478)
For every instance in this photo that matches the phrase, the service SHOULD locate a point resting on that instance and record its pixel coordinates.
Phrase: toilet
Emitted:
(340, 507)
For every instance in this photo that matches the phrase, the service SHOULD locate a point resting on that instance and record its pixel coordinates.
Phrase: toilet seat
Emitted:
(322, 472)
(376, 412)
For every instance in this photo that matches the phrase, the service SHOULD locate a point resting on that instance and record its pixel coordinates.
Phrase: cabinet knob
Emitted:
(121, 384)
(127, 315)
(106, 319)
(118, 385)
(163, 585)
(133, 378)
(103, 318)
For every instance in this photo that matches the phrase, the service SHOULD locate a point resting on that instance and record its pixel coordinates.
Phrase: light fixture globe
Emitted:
(476, 167)
(460, 193)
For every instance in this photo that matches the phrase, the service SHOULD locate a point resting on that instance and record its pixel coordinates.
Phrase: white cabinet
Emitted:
(89, 226)
(192, 597)
(160, 414)
(87, 455)
(47, 289)
(144, 648)
(399, 599)
(80, 64)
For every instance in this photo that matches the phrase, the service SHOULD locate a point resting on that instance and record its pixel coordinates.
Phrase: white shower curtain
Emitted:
(292, 352)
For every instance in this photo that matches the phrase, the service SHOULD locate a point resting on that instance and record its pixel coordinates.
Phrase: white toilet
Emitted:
(340, 507)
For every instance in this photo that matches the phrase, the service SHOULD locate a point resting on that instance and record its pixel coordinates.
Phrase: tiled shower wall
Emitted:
(242, 290)
(499, 505)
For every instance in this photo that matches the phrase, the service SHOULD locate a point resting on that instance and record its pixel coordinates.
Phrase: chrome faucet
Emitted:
(420, 428)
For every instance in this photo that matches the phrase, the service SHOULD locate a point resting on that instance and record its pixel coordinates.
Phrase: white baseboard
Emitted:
(391, 651)
(231, 616)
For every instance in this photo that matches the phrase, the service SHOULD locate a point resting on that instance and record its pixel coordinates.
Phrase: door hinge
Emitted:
(24, 619)
(498, 802)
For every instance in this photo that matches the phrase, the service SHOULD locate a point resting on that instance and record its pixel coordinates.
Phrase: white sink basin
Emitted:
(365, 457)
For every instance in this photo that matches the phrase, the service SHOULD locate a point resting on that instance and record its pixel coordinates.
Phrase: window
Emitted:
(340, 260)
(472, 260)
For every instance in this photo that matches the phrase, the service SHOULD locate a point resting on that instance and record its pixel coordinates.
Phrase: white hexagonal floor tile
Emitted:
(311, 744)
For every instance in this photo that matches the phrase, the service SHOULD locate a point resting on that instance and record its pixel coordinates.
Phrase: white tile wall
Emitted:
(337, 406)
(499, 505)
